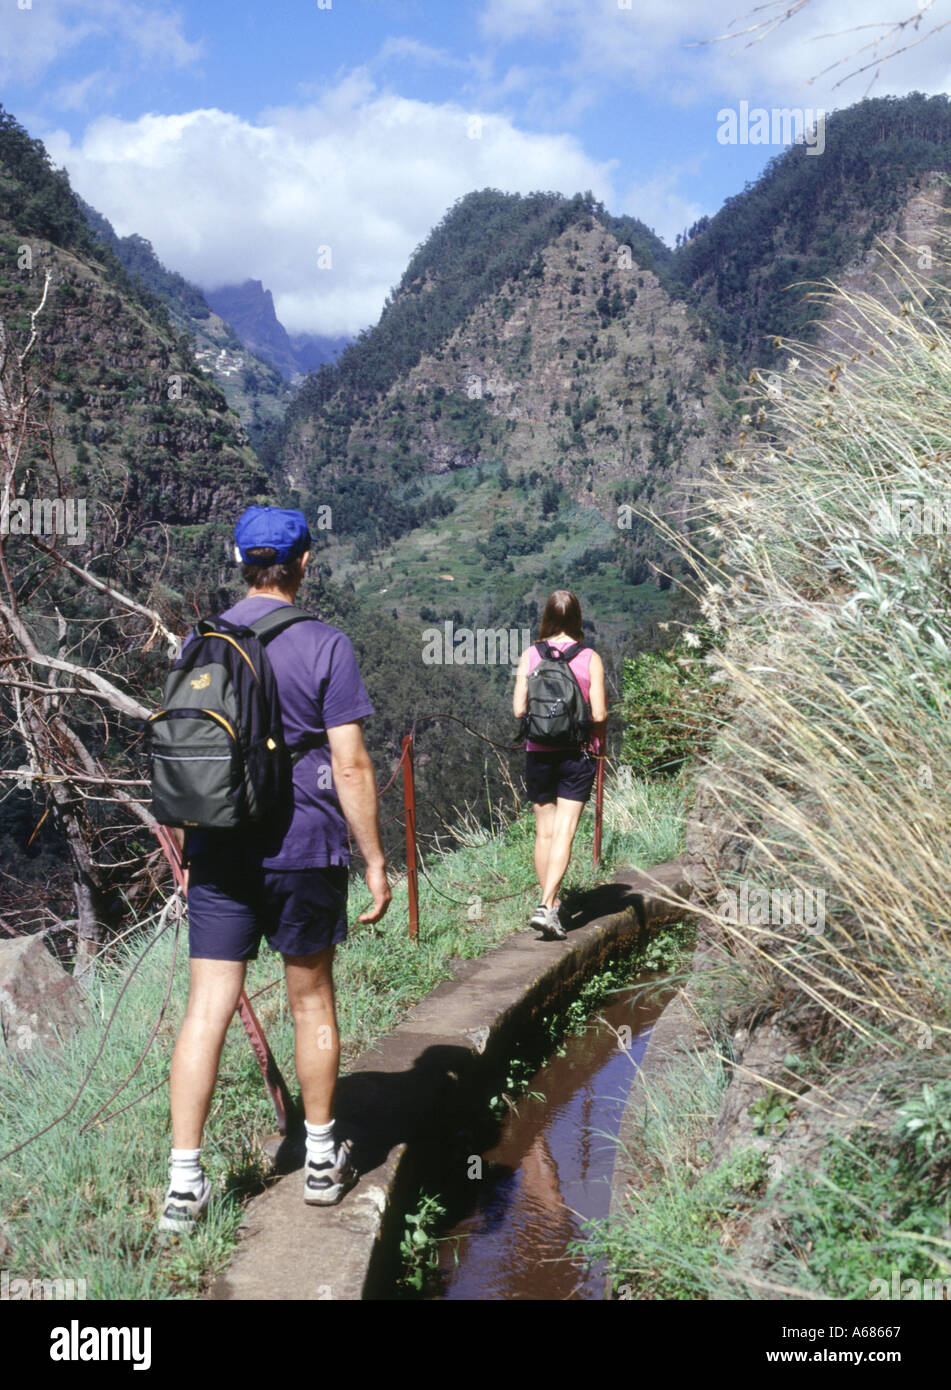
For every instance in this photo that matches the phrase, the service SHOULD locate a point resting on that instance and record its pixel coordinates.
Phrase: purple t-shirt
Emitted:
(319, 687)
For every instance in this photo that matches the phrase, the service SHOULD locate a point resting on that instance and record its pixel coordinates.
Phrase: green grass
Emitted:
(861, 1216)
(880, 1201)
(83, 1205)
(866, 1204)
(665, 1242)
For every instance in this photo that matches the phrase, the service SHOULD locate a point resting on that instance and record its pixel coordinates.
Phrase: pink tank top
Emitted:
(581, 667)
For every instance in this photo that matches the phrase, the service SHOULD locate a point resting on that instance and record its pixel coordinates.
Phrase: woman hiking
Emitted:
(559, 777)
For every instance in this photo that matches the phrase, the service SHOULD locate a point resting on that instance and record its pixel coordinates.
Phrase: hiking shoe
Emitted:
(325, 1183)
(540, 917)
(182, 1209)
(553, 930)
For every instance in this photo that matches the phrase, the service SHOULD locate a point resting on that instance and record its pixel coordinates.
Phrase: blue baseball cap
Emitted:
(279, 529)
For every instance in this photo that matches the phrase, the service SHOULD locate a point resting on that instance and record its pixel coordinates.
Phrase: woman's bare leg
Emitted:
(544, 823)
(565, 824)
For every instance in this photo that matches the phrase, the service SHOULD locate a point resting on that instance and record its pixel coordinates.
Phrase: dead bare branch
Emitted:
(778, 12)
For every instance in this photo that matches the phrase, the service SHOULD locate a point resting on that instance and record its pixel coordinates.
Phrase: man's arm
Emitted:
(178, 835)
(355, 785)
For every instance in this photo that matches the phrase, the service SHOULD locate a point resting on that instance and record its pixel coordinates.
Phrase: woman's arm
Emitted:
(597, 698)
(520, 698)
(598, 702)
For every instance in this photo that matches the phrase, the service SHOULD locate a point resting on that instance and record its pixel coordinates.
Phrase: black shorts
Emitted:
(231, 906)
(568, 774)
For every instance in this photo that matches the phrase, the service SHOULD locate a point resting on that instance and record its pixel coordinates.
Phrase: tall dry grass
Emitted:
(832, 591)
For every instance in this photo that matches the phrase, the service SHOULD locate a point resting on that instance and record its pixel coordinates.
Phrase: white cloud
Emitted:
(79, 95)
(365, 173)
(511, 19)
(414, 50)
(33, 39)
(658, 202)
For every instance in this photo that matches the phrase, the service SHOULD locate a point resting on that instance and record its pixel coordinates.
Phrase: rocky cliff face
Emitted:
(252, 385)
(249, 308)
(914, 237)
(136, 428)
(580, 372)
(585, 368)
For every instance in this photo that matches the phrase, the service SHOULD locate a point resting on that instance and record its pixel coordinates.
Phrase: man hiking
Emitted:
(285, 882)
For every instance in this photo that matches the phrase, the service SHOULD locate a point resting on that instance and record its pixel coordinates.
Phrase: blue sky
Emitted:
(312, 144)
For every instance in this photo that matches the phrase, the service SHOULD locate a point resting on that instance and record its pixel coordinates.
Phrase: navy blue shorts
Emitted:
(231, 906)
(565, 774)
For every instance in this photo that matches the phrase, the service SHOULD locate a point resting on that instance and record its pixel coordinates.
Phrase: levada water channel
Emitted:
(510, 1211)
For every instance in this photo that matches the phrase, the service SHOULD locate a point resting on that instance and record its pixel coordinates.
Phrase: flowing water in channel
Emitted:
(550, 1169)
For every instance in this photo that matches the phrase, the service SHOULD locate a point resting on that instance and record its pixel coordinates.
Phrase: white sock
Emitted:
(320, 1143)
(185, 1172)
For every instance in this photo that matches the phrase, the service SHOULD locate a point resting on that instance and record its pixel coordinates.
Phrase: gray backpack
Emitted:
(217, 747)
(558, 713)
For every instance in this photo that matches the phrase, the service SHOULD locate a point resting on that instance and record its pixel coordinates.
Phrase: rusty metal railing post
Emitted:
(598, 809)
(409, 806)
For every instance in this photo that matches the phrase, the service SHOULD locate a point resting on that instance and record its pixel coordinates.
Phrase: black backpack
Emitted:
(217, 747)
(557, 712)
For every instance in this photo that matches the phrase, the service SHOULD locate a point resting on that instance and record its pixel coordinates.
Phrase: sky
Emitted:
(314, 144)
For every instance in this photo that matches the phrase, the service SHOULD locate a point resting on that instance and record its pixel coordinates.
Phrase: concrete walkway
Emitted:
(427, 1075)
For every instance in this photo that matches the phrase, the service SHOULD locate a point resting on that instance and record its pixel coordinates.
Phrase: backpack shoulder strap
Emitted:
(208, 627)
(278, 619)
(269, 626)
(567, 657)
(204, 629)
(556, 654)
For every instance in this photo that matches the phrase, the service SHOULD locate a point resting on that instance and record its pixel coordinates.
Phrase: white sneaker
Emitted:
(182, 1209)
(553, 930)
(325, 1183)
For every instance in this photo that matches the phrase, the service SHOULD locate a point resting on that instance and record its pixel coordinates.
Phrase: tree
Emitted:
(63, 715)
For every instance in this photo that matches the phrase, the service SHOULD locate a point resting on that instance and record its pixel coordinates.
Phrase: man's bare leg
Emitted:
(310, 993)
(213, 996)
(328, 1170)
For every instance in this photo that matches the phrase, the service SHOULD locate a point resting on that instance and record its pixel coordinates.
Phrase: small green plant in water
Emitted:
(517, 1073)
(420, 1244)
(419, 1247)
